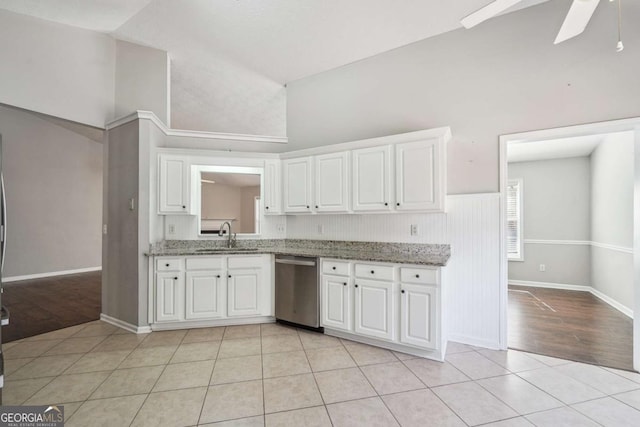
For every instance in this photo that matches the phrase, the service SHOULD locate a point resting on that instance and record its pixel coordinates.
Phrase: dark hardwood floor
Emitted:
(570, 325)
(43, 305)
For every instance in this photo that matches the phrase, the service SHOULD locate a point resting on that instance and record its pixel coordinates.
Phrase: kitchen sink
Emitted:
(214, 250)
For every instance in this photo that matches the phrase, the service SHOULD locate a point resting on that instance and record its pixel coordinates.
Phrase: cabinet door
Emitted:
(204, 294)
(174, 185)
(336, 303)
(244, 292)
(418, 176)
(297, 185)
(169, 296)
(374, 308)
(418, 306)
(372, 179)
(272, 187)
(332, 182)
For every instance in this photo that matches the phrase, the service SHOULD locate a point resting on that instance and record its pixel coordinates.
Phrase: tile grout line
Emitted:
(436, 394)
(64, 371)
(212, 371)
(315, 380)
(157, 379)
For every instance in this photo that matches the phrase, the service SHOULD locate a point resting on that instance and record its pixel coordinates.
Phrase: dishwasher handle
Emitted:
(295, 262)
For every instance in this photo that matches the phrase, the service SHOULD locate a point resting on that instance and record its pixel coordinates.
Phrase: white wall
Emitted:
(557, 208)
(142, 80)
(504, 76)
(121, 245)
(612, 172)
(56, 69)
(53, 183)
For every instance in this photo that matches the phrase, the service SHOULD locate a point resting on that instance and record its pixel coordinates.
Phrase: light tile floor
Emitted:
(272, 375)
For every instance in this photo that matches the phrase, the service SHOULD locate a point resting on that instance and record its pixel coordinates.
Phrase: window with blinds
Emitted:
(514, 220)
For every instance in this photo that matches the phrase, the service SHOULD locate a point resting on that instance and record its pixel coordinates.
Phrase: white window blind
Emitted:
(514, 220)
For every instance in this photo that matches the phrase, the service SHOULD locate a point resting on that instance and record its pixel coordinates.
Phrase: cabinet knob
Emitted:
(373, 272)
(316, 206)
(331, 267)
(266, 207)
(229, 276)
(167, 265)
(417, 276)
(345, 284)
(386, 204)
(184, 207)
(175, 278)
(307, 206)
(397, 204)
(218, 276)
(402, 291)
(356, 285)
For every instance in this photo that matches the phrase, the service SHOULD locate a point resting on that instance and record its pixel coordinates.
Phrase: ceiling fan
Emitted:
(574, 24)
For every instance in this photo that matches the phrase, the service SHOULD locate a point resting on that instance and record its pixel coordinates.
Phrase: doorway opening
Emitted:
(569, 287)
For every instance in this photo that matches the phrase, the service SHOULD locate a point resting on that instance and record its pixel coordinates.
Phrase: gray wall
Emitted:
(53, 181)
(56, 69)
(612, 173)
(557, 206)
(501, 77)
(120, 249)
(142, 80)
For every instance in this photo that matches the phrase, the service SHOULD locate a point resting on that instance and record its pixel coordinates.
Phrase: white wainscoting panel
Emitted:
(432, 227)
(473, 272)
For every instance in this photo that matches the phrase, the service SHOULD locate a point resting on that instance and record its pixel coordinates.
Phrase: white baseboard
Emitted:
(567, 287)
(124, 325)
(462, 339)
(49, 274)
(190, 324)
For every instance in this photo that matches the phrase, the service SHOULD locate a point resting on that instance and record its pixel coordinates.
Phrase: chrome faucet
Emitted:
(231, 241)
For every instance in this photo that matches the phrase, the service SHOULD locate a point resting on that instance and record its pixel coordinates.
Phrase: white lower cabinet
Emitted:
(244, 292)
(418, 308)
(205, 294)
(374, 308)
(336, 307)
(169, 296)
(392, 305)
(210, 288)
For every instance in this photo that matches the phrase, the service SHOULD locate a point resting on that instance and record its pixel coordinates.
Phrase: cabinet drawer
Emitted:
(245, 261)
(376, 272)
(335, 267)
(204, 263)
(426, 276)
(168, 264)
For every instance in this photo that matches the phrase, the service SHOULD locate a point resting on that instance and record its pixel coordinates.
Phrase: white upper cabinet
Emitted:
(272, 187)
(297, 184)
(174, 184)
(419, 176)
(332, 182)
(372, 179)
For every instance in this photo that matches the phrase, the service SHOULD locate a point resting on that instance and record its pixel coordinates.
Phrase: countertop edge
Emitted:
(439, 261)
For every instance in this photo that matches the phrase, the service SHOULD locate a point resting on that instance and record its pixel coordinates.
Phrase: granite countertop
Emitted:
(401, 253)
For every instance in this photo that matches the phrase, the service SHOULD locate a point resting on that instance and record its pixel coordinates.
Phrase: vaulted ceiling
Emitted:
(230, 54)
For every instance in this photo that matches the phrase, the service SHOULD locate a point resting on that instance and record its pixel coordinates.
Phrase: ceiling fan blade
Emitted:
(577, 19)
(487, 12)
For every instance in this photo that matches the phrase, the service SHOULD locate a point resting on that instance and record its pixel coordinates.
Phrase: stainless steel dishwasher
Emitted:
(297, 290)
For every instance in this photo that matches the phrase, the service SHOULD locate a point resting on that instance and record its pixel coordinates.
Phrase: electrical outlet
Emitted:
(414, 229)
(104, 228)
(280, 228)
(543, 267)
(171, 229)
(320, 229)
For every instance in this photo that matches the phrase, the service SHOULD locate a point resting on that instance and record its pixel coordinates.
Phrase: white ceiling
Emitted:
(98, 15)
(553, 149)
(283, 40)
